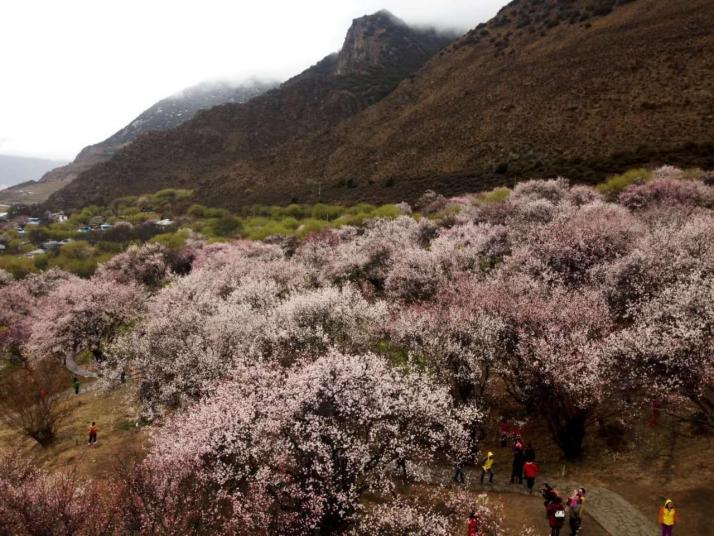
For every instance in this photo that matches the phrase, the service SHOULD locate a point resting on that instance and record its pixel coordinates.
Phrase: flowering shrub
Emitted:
(471, 248)
(553, 190)
(368, 258)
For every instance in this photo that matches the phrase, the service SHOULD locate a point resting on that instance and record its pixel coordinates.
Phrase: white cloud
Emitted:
(75, 71)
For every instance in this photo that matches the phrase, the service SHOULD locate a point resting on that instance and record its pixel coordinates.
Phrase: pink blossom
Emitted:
(299, 448)
(82, 315)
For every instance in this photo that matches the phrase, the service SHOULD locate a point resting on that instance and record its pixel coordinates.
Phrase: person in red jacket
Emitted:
(530, 471)
(473, 524)
(556, 516)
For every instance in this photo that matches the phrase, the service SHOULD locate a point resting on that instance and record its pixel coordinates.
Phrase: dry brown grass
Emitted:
(118, 439)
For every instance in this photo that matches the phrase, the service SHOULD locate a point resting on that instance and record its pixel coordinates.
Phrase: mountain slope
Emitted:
(574, 87)
(236, 140)
(166, 114)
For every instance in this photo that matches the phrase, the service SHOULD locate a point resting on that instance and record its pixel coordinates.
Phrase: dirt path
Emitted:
(607, 508)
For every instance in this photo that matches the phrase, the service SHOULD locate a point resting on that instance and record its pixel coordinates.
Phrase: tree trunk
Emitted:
(568, 431)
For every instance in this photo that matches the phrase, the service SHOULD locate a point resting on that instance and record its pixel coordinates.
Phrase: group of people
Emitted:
(524, 464)
(557, 509)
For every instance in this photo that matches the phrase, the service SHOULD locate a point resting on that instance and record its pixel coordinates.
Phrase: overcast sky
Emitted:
(72, 72)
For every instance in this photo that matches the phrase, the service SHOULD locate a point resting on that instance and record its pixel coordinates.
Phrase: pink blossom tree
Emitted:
(667, 254)
(19, 299)
(449, 516)
(454, 338)
(667, 192)
(668, 350)
(82, 315)
(414, 276)
(35, 503)
(551, 359)
(572, 245)
(471, 248)
(291, 453)
(143, 265)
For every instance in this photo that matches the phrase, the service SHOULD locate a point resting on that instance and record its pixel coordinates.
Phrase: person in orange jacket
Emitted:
(93, 433)
(667, 517)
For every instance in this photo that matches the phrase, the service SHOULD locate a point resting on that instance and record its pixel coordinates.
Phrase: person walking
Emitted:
(473, 525)
(517, 468)
(93, 433)
(576, 509)
(529, 454)
(530, 471)
(556, 516)
(459, 475)
(667, 517)
(75, 383)
(504, 430)
(549, 494)
(487, 467)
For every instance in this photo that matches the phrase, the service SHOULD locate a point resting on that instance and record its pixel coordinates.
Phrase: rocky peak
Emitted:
(381, 39)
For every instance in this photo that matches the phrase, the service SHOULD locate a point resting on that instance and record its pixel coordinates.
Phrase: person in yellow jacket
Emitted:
(667, 517)
(487, 467)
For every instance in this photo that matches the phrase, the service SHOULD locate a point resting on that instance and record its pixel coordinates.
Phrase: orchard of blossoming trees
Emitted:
(290, 383)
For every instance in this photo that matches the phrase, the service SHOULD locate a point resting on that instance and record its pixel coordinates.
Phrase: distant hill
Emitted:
(18, 169)
(580, 88)
(165, 114)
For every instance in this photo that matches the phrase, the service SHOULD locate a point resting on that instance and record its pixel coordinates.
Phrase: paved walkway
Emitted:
(607, 508)
(75, 369)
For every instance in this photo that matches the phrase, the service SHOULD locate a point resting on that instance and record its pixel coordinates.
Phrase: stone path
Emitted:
(75, 369)
(607, 508)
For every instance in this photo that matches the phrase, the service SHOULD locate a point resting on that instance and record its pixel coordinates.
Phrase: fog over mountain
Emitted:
(96, 66)
(165, 114)
(18, 169)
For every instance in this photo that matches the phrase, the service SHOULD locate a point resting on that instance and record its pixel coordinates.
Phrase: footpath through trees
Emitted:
(610, 510)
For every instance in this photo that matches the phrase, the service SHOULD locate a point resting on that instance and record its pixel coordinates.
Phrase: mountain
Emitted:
(234, 140)
(166, 114)
(580, 88)
(18, 169)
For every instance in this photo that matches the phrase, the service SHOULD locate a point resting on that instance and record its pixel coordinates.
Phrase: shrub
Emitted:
(224, 226)
(32, 400)
(17, 266)
(497, 195)
(617, 183)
